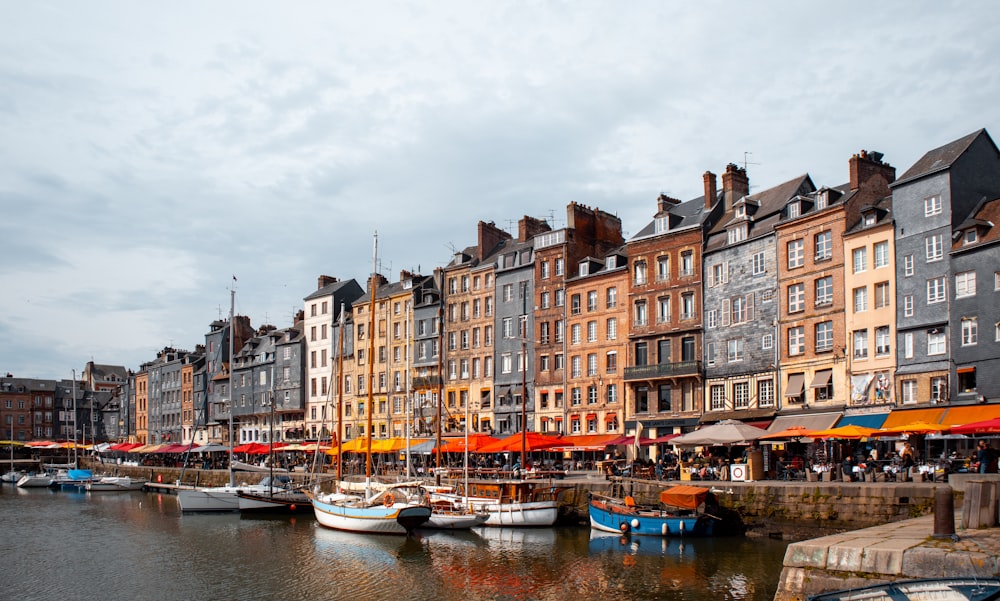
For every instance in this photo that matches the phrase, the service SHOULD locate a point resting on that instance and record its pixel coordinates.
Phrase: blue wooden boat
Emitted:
(680, 513)
(939, 589)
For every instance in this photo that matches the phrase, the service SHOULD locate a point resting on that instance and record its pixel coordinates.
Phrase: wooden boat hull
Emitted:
(344, 513)
(611, 516)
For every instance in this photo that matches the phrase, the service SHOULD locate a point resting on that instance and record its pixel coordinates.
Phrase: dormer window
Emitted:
(661, 224)
(584, 267)
(794, 210)
(970, 237)
(822, 199)
(611, 262)
(737, 234)
(741, 211)
(869, 219)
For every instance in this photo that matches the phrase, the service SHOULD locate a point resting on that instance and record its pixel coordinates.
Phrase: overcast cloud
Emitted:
(151, 151)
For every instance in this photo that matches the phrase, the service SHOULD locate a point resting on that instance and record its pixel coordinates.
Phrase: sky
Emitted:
(150, 152)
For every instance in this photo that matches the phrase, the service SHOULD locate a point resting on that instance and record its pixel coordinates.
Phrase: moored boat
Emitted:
(42, 480)
(395, 510)
(939, 589)
(115, 484)
(281, 498)
(509, 502)
(218, 498)
(681, 512)
(450, 515)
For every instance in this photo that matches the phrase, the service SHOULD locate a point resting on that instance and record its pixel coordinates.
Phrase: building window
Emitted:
(936, 290)
(860, 256)
(758, 263)
(639, 273)
(741, 395)
(967, 379)
(824, 291)
(736, 233)
(711, 318)
(591, 331)
(932, 205)
(574, 304)
(767, 342)
(883, 344)
(965, 284)
(939, 389)
(545, 268)
(663, 267)
(796, 340)
(909, 390)
(936, 343)
(663, 309)
(794, 210)
(639, 316)
(796, 253)
(824, 336)
(908, 345)
(687, 263)
(882, 297)
(506, 363)
(592, 301)
(934, 247)
(735, 347)
(612, 297)
(718, 397)
(908, 305)
(611, 360)
(970, 331)
(612, 393)
(860, 299)
(641, 353)
(765, 393)
(574, 333)
(718, 274)
(664, 397)
(612, 325)
(881, 254)
(592, 364)
(687, 306)
(641, 399)
(860, 344)
(796, 298)
(824, 245)
(908, 265)
(560, 266)
(710, 353)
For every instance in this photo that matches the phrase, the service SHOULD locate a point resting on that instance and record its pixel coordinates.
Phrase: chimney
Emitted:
(664, 203)
(324, 281)
(866, 165)
(489, 237)
(529, 227)
(735, 185)
(711, 191)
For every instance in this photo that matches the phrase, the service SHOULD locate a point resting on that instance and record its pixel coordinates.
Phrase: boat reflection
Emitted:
(601, 543)
(519, 536)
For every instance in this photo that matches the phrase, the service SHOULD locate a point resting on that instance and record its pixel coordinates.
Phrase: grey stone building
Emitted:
(513, 355)
(425, 369)
(253, 387)
(216, 375)
(930, 200)
(164, 397)
(975, 310)
(741, 267)
(289, 374)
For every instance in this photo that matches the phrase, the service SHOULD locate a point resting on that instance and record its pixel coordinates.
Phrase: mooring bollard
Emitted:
(944, 512)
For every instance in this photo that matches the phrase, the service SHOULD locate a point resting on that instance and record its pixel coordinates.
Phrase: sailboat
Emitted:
(392, 509)
(221, 498)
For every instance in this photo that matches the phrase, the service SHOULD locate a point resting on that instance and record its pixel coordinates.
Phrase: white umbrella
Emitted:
(726, 432)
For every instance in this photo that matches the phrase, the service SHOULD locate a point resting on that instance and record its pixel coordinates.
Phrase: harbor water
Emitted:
(126, 546)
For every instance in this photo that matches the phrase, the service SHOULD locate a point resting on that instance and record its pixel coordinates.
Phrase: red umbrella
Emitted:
(476, 442)
(989, 426)
(533, 442)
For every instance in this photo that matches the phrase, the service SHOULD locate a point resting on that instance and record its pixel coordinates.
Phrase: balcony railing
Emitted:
(662, 370)
(426, 382)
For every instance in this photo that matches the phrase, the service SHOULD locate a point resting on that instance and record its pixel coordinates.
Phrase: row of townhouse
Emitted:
(43, 409)
(795, 300)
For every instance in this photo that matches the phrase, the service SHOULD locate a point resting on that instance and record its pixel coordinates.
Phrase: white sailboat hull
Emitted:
(115, 484)
(345, 512)
(35, 481)
(508, 514)
(455, 521)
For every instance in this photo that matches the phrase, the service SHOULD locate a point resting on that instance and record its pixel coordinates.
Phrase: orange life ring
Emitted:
(388, 500)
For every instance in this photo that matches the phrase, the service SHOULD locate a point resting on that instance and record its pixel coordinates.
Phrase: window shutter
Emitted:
(750, 306)
(725, 312)
(711, 277)
(725, 272)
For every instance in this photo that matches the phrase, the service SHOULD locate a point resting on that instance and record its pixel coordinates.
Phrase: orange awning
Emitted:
(957, 416)
(908, 416)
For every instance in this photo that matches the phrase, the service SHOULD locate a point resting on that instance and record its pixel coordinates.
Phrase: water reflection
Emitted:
(139, 545)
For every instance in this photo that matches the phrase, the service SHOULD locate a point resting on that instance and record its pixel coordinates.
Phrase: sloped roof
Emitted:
(329, 289)
(987, 216)
(938, 159)
(771, 202)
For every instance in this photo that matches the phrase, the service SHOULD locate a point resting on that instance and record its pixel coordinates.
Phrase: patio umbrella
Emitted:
(914, 428)
(727, 432)
(791, 433)
(989, 426)
(533, 442)
(476, 442)
(849, 432)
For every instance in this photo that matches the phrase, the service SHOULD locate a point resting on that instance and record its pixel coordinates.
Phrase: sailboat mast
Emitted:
(371, 359)
(232, 334)
(406, 383)
(340, 397)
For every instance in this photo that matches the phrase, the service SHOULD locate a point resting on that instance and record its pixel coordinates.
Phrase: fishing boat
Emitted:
(508, 502)
(115, 484)
(448, 514)
(681, 512)
(394, 509)
(939, 589)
